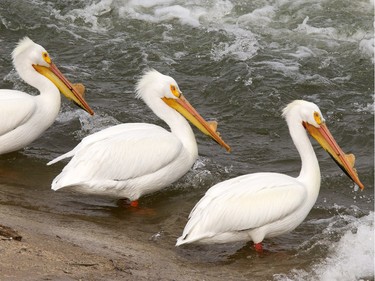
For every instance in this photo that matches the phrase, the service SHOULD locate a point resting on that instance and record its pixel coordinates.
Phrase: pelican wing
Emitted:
(243, 203)
(119, 153)
(15, 109)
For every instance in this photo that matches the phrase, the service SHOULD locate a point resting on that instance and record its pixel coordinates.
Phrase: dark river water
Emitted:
(238, 62)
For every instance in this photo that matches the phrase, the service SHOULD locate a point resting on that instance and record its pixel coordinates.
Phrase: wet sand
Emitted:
(50, 250)
(54, 248)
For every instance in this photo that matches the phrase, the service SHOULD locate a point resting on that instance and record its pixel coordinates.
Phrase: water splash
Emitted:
(349, 258)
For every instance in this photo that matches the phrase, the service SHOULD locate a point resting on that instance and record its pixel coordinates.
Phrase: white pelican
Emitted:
(261, 205)
(134, 159)
(24, 117)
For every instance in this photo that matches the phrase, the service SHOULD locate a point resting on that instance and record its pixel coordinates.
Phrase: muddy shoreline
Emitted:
(53, 248)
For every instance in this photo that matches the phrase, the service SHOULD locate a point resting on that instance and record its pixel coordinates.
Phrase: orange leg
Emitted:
(133, 206)
(258, 247)
(134, 203)
(127, 203)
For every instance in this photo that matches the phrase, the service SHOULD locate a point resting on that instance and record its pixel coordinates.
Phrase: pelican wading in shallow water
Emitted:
(261, 205)
(134, 159)
(25, 117)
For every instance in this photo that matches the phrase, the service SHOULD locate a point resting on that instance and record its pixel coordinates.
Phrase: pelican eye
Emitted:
(175, 91)
(46, 57)
(317, 118)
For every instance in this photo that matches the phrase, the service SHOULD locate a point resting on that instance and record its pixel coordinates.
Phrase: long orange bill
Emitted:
(63, 84)
(326, 140)
(187, 110)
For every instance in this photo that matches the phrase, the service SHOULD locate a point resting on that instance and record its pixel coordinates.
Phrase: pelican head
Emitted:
(309, 116)
(29, 56)
(153, 85)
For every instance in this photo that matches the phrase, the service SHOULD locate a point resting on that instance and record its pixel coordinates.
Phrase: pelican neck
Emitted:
(310, 171)
(178, 125)
(49, 94)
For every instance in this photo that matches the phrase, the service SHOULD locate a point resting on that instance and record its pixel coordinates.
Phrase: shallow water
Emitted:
(237, 62)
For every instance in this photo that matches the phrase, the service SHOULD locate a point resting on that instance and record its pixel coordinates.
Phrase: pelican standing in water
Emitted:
(262, 205)
(134, 159)
(25, 117)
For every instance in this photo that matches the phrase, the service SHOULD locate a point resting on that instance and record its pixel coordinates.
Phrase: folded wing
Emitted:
(15, 109)
(243, 203)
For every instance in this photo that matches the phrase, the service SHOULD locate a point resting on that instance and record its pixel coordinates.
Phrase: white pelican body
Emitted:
(261, 205)
(127, 161)
(130, 160)
(24, 117)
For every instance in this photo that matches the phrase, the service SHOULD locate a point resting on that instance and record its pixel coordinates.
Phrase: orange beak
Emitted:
(326, 140)
(63, 84)
(188, 111)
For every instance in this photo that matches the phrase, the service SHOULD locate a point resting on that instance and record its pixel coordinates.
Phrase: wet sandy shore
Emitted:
(51, 251)
(54, 248)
